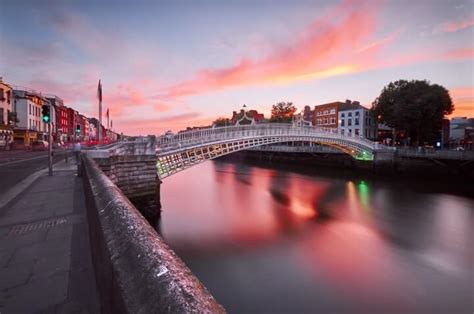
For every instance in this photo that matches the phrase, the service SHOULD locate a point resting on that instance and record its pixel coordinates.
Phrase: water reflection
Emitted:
(269, 240)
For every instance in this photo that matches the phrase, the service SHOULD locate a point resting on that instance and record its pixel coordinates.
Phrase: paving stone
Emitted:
(22, 240)
(36, 295)
(25, 254)
(60, 232)
(4, 231)
(5, 257)
(47, 266)
(15, 275)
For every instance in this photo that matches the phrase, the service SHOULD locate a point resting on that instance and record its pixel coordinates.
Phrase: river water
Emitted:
(269, 239)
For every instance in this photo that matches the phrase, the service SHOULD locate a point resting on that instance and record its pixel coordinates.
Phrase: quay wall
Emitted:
(383, 165)
(136, 272)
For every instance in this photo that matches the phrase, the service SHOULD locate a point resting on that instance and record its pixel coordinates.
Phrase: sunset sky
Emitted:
(171, 64)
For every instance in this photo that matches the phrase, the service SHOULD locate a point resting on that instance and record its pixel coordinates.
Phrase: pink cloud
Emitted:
(327, 44)
(425, 55)
(459, 54)
(450, 27)
(159, 126)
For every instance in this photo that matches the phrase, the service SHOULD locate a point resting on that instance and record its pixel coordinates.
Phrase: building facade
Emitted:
(81, 121)
(58, 119)
(325, 115)
(92, 130)
(72, 117)
(28, 107)
(62, 122)
(357, 121)
(95, 122)
(6, 115)
(458, 126)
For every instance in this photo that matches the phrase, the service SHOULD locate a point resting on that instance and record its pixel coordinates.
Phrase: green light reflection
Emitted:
(363, 191)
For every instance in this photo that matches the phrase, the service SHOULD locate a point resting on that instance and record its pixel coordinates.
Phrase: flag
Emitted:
(99, 91)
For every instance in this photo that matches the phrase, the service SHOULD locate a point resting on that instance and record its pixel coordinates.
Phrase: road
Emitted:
(17, 165)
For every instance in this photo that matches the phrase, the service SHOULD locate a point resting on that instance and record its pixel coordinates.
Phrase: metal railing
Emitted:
(297, 149)
(222, 134)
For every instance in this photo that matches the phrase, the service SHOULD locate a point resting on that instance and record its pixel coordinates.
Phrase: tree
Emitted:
(282, 112)
(416, 107)
(221, 122)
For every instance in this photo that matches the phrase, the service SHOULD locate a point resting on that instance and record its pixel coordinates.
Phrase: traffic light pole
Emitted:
(50, 147)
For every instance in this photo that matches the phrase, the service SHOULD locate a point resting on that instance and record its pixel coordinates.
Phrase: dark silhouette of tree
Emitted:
(221, 122)
(416, 107)
(282, 112)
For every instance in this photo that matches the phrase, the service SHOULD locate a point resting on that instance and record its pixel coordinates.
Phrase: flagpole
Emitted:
(100, 121)
(99, 94)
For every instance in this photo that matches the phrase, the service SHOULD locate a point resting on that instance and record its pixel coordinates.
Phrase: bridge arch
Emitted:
(177, 152)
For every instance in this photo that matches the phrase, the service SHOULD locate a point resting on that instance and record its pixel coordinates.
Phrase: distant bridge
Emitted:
(183, 150)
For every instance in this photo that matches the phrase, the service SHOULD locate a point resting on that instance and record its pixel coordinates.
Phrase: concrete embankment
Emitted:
(398, 166)
(136, 271)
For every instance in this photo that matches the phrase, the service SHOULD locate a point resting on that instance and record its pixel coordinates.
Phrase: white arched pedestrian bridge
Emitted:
(180, 151)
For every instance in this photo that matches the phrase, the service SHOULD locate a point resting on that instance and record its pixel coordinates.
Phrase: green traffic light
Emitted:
(45, 113)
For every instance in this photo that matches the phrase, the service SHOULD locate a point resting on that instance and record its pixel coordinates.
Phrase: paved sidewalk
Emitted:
(45, 262)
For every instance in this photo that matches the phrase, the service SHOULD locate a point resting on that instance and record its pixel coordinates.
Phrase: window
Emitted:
(1, 94)
(342, 131)
(318, 121)
(333, 120)
(29, 106)
(342, 115)
(356, 121)
(349, 122)
(357, 113)
(349, 114)
(342, 122)
(9, 96)
(1, 116)
(333, 111)
(325, 120)
(356, 131)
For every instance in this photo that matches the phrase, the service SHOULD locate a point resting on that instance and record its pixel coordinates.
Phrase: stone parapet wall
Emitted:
(136, 272)
(132, 167)
(135, 175)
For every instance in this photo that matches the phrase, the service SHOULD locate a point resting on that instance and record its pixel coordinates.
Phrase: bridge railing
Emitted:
(201, 136)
